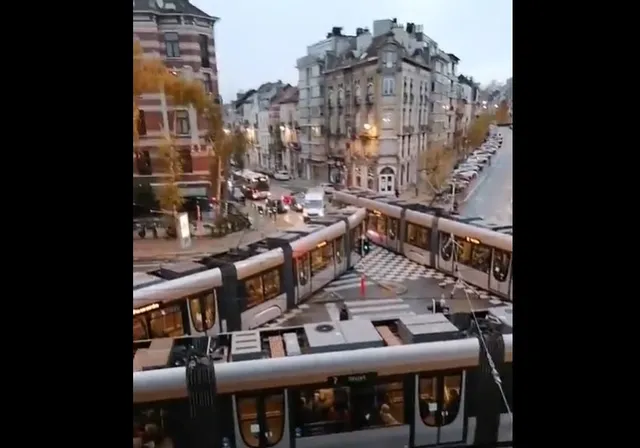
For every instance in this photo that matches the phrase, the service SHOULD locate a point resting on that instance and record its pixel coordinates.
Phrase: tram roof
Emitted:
(315, 338)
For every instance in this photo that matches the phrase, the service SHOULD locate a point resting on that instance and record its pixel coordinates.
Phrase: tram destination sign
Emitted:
(352, 380)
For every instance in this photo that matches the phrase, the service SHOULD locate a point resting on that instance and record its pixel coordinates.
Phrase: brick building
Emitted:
(182, 36)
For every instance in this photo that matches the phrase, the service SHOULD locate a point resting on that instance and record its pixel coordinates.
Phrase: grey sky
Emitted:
(259, 41)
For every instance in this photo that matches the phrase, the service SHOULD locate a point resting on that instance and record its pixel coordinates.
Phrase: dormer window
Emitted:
(389, 58)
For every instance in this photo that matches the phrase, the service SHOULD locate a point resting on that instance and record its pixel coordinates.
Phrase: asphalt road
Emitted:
(491, 198)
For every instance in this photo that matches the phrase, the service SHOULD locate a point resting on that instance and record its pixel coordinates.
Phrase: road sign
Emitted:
(352, 380)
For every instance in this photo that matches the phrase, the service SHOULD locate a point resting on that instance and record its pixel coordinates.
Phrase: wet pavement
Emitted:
(491, 198)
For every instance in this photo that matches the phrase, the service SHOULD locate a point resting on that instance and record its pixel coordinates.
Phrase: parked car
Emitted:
(466, 175)
(282, 175)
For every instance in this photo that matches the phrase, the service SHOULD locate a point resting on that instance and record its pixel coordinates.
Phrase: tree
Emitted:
(169, 195)
(437, 164)
(502, 114)
(478, 129)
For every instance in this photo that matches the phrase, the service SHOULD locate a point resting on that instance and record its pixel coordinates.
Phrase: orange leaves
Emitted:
(502, 114)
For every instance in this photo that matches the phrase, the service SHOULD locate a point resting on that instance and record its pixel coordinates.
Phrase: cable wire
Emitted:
(464, 285)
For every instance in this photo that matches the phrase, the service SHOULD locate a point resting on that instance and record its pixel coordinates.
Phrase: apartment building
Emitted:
(247, 110)
(376, 110)
(283, 126)
(182, 36)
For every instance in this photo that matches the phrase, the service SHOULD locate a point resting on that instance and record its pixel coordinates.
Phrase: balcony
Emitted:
(369, 99)
(405, 98)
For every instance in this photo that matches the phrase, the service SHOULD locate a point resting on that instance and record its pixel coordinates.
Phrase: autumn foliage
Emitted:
(502, 114)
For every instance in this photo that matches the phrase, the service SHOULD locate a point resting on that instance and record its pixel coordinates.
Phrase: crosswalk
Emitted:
(371, 309)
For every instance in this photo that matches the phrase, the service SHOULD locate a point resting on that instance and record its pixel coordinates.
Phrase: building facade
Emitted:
(182, 36)
(376, 110)
(283, 127)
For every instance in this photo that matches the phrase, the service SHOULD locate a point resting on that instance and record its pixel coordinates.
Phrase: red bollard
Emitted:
(363, 286)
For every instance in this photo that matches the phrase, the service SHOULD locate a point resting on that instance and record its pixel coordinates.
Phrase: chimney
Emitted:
(359, 31)
(363, 40)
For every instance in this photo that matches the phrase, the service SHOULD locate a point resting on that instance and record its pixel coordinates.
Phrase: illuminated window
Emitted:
(303, 270)
(255, 295)
(271, 282)
(339, 248)
(166, 323)
(428, 400)
(446, 246)
(418, 236)
(209, 312)
(140, 330)
(320, 258)
(247, 409)
(501, 262)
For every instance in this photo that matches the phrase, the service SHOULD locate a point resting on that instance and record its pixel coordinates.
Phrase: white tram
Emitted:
(482, 256)
(419, 381)
(248, 287)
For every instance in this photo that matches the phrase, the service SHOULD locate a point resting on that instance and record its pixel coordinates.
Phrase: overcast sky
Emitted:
(259, 41)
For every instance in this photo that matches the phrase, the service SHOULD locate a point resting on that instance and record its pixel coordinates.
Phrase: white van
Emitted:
(313, 203)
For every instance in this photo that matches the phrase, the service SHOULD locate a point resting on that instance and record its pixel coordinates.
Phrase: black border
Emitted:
(77, 115)
(558, 223)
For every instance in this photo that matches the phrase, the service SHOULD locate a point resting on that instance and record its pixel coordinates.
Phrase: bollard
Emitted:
(363, 286)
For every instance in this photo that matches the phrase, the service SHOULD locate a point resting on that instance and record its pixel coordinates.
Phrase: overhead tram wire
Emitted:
(463, 284)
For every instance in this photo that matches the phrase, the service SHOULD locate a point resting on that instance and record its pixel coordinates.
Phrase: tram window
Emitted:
(271, 282)
(355, 238)
(247, 408)
(339, 248)
(140, 330)
(274, 407)
(481, 258)
(418, 236)
(322, 411)
(446, 246)
(372, 221)
(381, 225)
(463, 251)
(303, 266)
(320, 258)
(210, 310)
(428, 399)
(162, 424)
(255, 295)
(167, 322)
(501, 261)
(451, 402)
(392, 231)
(196, 313)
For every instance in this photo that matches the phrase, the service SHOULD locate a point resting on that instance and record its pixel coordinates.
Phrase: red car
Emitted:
(292, 203)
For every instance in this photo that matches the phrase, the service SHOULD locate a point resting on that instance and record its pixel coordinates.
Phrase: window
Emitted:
(203, 40)
(303, 269)
(143, 163)
(182, 122)
(255, 294)
(271, 282)
(389, 86)
(418, 236)
(355, 239)
(392, 231)
(265, 411)
(389, 58)
(473, 254)
(166, 323)
(321, 257)
(439, 398)
(185, 161)
(446, 246)
(203, 319)
(381, 225)
(329, 410)
(140, 330)
(142, 123)
(433, 86)
(172, 45)
(308, 73)
(207, 83)
(339, 248)
(501, 262)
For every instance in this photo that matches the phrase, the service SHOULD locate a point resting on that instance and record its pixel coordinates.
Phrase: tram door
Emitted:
(446, 248)
(500, 275)
(439, 409)
(261, 420)
(303, 274)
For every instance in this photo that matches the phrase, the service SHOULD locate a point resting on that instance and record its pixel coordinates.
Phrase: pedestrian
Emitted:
(397, 193)
(344, 314)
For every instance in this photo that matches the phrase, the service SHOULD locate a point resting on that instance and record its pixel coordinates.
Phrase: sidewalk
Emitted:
(162, 249)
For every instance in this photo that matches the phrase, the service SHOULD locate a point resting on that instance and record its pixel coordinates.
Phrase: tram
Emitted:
(245, 288)
(418, 381)
(479, 253)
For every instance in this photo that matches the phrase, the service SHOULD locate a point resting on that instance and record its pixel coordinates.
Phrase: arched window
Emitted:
(386, 180)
